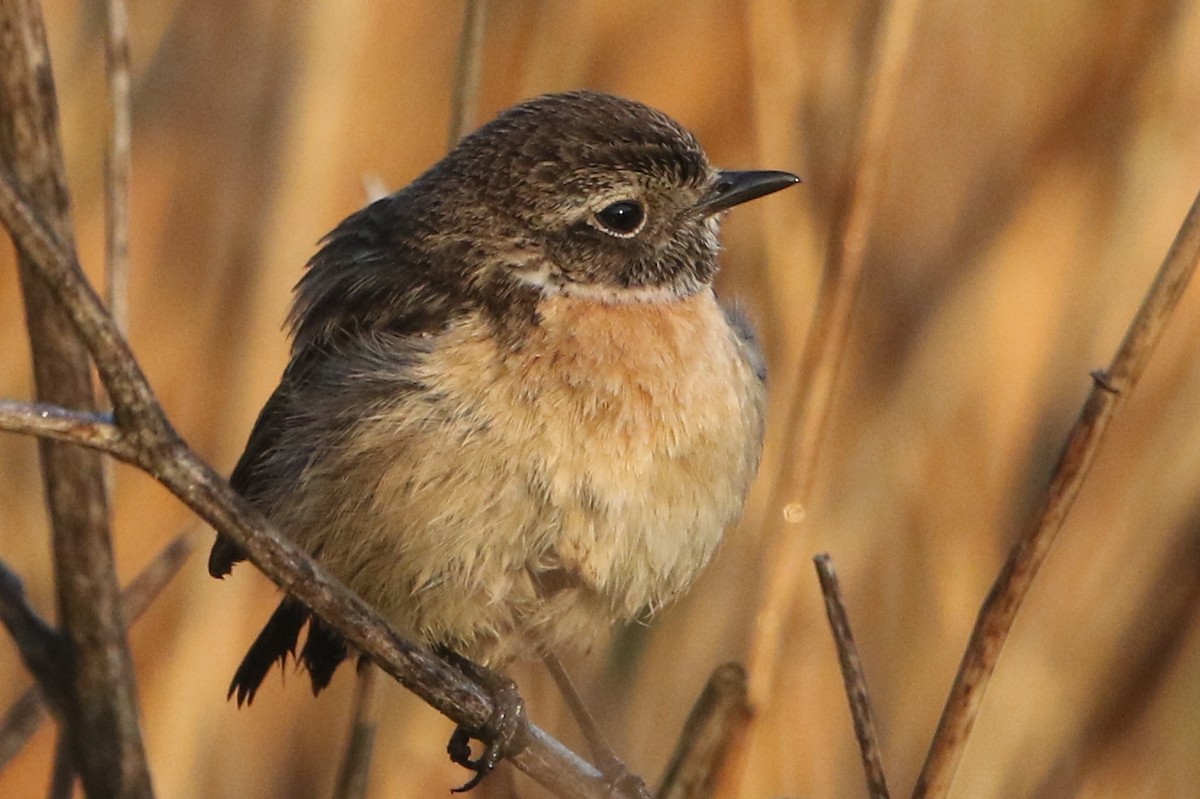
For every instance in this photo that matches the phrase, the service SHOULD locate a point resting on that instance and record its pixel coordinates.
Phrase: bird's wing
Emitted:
(368, 279)
(247, 478)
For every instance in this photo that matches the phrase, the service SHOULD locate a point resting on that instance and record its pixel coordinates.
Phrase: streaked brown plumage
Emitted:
(515, 411)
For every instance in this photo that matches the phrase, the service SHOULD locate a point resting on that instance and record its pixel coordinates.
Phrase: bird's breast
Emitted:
(635, 429)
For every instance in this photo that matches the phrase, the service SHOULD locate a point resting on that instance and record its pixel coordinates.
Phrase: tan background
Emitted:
(1043, 156)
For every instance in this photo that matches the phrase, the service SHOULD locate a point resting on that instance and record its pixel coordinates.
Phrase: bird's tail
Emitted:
(323, 651)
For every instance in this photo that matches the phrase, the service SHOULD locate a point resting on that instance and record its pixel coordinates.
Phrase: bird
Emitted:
(515, 412)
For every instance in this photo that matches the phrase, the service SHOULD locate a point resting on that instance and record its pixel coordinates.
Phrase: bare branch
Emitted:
(27, 713)
(93, 430)
(853, 678)
(19, 724)
(101, 702)
(1008, 592)
(467, 69)
(707, 733)
(41, 648)
(59, 271)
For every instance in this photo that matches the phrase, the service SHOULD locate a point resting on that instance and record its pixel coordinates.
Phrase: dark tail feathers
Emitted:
(323, 652)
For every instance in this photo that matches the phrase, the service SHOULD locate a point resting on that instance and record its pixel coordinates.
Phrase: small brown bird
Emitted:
(515, 412)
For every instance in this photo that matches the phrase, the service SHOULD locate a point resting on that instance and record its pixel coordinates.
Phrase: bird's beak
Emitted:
(733, 188)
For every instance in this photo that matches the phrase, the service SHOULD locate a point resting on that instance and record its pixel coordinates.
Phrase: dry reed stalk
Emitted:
(823, 353)
(1000, 608)
(853, 678)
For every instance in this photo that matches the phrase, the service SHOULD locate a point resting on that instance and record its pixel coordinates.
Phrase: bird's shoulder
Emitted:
(385, 268)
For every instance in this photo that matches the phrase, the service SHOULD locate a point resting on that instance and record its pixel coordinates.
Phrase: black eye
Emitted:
(622, 218)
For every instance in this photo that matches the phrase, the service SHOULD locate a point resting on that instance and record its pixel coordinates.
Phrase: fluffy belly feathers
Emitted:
(562, 491)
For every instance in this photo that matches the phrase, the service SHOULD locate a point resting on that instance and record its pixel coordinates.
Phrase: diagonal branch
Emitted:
(27, 713)
(135, 406)
(40, 646)
(853, 678)
(1008, 592)
(707, 734)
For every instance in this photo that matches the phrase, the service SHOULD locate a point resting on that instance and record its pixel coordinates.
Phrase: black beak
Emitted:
(733, 188)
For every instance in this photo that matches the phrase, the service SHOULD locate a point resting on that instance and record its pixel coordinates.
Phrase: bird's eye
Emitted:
(622, 218)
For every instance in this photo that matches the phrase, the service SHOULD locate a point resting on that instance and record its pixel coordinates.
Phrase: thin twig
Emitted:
(602, 751)
(356, 762)
(117, 163)
(95, 430)
(467, 69)
(101, 702)
(41, 648)
(20, 722)
(59, 270)
(1008, 592)
(707, 733)
(853, 678)
(27, 713)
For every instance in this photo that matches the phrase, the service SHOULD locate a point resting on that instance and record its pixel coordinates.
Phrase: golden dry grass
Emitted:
(1042, 157)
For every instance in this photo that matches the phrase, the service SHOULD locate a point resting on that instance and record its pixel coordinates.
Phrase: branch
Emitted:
(1008, 592)
(101, 702)
(135, 406)
(707, 734)
(22, 720)
(93, 430)
(27, 713)
(40, 646)
(62, 774)
(853, 678)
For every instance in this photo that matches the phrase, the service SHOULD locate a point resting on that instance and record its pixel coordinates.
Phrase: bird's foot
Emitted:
(501, 735)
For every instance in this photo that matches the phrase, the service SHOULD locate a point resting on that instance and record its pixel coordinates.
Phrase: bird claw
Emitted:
(459, 750)
(502, 733)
